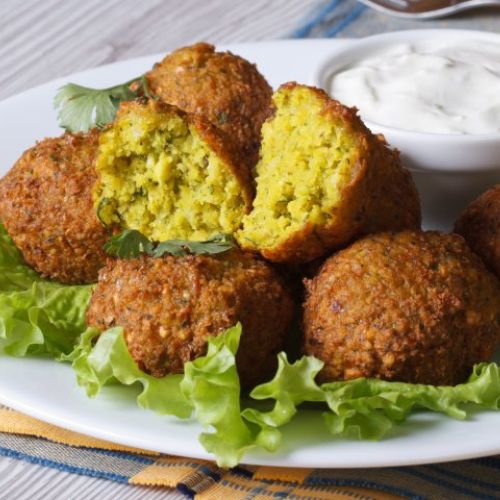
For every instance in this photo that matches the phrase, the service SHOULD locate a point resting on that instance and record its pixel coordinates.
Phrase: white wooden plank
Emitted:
(40, 41)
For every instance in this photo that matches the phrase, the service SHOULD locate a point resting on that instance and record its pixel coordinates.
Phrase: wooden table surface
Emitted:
(43, 40)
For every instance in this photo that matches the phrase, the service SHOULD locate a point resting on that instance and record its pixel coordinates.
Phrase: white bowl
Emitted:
(451, 169)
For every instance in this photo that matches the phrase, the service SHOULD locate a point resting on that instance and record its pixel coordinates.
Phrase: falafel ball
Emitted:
(479, 224)
(411, 306)
(224, 88)
(322, 179)
(46, 206)
(169, 306)
(169, 175)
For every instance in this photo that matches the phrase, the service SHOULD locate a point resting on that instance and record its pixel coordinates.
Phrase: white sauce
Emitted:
(449, 88)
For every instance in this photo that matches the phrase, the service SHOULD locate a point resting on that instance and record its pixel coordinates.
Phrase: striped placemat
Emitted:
(28, 439)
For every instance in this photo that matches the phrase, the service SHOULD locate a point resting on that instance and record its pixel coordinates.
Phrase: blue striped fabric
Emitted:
(330, 20)
(349, 18)
(315, 19)
(54, 464)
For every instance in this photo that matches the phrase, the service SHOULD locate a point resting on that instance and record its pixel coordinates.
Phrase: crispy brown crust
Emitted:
(409, 306)
(47, 208)
(394, 203)
(224, 88)
(380, 195)
(169, 306)
(479, 224)
(217, 141)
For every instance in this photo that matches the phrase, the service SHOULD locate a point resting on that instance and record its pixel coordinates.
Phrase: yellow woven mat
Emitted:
(24, 437)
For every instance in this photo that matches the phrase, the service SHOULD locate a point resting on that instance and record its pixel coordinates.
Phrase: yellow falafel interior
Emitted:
(305, 163)
(162, 173)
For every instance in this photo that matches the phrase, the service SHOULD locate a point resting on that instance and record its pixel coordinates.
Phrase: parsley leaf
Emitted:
(130, 243)
(81, 108)
(216, 244)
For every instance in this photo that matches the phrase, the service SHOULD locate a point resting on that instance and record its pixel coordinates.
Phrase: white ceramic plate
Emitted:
(48, 390)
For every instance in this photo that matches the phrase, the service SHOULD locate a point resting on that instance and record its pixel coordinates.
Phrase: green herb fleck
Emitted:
(222, 118)
(105, 211)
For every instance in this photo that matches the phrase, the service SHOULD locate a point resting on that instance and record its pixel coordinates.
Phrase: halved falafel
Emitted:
(46, 206)
(169, 306)
(224, 88)
(322, 179)
(169, 175)
(411, 306)
(479, 224)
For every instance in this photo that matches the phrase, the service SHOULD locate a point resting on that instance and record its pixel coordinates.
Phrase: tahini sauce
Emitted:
(452, 88)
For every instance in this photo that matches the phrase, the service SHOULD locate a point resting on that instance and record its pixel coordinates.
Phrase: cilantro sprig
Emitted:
(131, 243)
(216, 244)
(82, 108)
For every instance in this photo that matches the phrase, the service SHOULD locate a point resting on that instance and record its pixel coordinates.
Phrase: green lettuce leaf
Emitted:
(14, 273)
(102, 359)
(292, 385)
(37, 316)
(212, 385)
(369, 408)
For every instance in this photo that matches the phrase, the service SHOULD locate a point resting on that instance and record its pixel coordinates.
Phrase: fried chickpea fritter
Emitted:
(169, 306)
(411, 306)
(169, 175)
(479, 224)
(47, 208)
(322, 179)
(225, 89)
